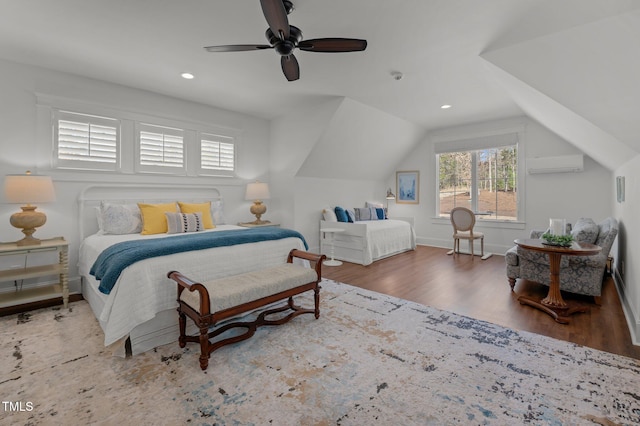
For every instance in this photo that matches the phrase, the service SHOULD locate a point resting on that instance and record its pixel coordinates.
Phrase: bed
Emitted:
(364, 242)
(139, 313)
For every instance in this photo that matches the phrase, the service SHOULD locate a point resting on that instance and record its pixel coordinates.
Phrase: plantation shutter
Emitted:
(160, 148)
(86, 141)
(217, 153)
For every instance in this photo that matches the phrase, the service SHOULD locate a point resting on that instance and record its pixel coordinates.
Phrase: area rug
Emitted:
(369, 359)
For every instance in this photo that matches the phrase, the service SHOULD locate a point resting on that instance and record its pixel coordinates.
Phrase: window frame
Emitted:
(477, 142)
(93, 119)
(230, 139)
(47, 111)
(141, 127)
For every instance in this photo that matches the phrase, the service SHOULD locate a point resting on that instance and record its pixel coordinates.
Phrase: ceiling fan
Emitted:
(285, 38)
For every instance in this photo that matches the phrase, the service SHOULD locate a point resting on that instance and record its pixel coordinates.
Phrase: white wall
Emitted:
(19, 85)
(627, 251)
(566, 195)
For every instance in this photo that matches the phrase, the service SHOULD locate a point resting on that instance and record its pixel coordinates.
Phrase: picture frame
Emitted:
(408, 187)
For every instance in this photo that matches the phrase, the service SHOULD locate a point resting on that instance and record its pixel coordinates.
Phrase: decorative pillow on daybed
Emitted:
(119, 219)
(341, 214)
(184, 222)
(367, 213)
(329, 215)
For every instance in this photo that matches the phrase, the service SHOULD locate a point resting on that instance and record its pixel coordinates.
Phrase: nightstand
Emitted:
(60, 268)
(253, 225)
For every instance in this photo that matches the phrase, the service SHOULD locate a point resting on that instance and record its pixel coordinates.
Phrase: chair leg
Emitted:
(482, 246)
(471, 244)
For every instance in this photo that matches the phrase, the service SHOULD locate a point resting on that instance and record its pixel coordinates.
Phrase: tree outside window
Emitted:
(484, 181)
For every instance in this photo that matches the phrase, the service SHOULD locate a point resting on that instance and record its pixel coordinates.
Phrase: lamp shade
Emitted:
(28, 188)
(257, 191)
(390, 195)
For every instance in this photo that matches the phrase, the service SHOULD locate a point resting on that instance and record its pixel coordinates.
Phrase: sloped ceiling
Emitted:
(360, 142)
(580, 82)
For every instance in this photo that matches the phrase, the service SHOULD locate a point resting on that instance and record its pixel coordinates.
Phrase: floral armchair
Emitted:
(578, 274)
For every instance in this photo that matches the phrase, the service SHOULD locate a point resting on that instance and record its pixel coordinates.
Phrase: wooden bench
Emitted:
(210, 302)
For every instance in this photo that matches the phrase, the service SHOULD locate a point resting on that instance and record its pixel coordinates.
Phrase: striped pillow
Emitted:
(184, 222)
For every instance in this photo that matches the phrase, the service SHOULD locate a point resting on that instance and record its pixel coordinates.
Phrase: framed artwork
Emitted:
(408, 187)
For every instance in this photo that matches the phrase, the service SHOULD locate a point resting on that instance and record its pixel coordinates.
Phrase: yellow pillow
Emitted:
(204, 208)
(153, 219)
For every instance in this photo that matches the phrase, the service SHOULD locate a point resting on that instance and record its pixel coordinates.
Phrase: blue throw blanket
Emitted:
(112, 261)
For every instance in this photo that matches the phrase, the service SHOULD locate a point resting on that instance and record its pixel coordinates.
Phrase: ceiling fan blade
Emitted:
(290, 67)
(276, 16)
(333, 45)
(237, 47)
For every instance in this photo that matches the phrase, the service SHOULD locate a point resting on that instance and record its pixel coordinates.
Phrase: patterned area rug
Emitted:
(369, 359)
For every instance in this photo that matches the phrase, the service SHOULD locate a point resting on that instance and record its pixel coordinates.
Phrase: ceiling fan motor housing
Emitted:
(285, 47)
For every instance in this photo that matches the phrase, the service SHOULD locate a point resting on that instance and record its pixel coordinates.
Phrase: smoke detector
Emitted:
(397, 75)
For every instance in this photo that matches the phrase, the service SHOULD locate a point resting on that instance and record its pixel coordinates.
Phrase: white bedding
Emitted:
(143, 289)
(369, 240)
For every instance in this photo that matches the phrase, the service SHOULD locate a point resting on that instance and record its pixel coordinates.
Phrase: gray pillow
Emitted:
(585, 231)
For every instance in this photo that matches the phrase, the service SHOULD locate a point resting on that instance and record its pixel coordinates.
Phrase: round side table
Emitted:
(333, 232)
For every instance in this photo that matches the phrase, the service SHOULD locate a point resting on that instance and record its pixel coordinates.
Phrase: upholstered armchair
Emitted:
(578, 274)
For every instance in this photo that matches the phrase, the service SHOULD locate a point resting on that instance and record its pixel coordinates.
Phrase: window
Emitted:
(484, 180)
(84, 137)
(217, 154)
(160, 149)
(86, 141)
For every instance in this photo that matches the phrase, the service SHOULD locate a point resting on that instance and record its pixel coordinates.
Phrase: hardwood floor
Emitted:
(479, 289)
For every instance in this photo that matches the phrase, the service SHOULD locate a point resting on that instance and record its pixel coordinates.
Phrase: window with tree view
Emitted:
(485, 181)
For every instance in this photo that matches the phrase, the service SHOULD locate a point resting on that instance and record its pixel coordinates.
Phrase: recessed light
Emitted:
(445, 106)
(187, 75)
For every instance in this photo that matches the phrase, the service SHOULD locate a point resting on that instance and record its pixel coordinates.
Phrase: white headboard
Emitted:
(125, 193)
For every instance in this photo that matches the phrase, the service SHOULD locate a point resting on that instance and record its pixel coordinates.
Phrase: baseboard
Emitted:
(632, 321)
(448, 244)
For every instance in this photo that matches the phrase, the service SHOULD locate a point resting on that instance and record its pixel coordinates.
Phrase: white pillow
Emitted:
(329, 215)
(374, 204)
(178, 223)
(217, 212)
(119, 219)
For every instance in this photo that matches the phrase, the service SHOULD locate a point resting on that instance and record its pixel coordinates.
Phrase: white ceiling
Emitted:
(436, 44)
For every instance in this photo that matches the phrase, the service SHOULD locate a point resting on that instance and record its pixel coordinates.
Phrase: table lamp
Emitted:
(258, 191)
(27, 189)
(390, 196)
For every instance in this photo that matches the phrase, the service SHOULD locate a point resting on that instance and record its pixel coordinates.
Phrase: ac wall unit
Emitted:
(559, 164)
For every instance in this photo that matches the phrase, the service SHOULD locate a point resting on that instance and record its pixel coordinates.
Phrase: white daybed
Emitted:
(364, 242)
(139, 313)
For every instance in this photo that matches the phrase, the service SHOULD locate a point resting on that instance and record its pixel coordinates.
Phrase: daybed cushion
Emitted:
(365, 213)
(238, 289)
(341, 214)
(329, 215)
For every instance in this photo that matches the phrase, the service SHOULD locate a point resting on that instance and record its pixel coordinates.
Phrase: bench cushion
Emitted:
(235, 290)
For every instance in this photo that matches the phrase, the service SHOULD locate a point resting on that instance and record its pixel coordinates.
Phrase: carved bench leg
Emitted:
(204, 347)
(512, 283)
(316, 300)
(182, 320)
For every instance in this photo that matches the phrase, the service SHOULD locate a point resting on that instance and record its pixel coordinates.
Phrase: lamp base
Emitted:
(28, 220)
